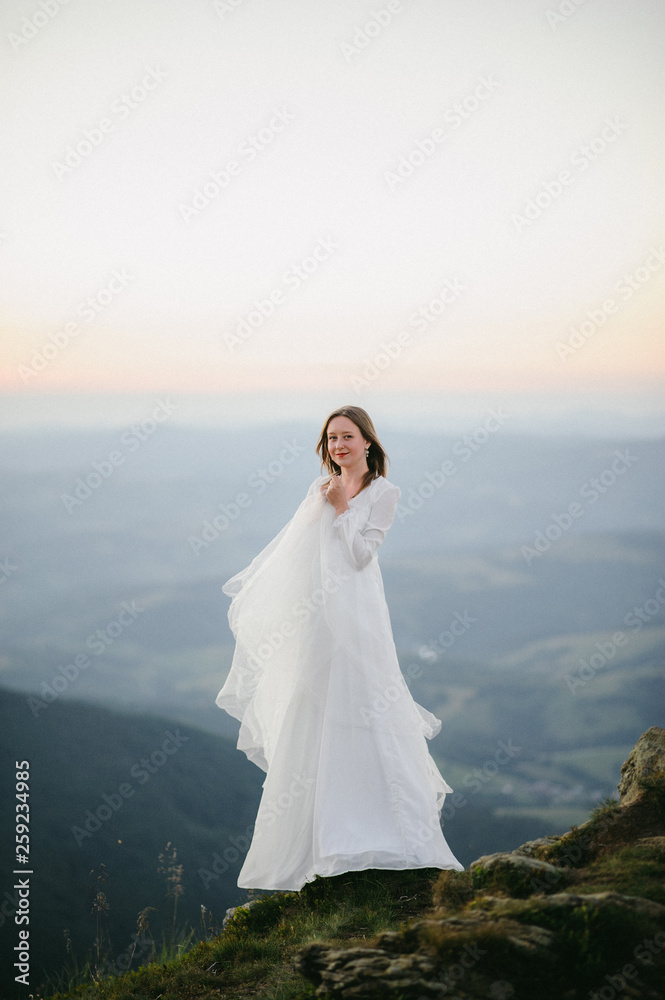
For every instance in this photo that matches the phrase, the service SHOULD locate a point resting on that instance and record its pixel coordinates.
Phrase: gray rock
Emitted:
(232, 909)
(574, 900)
(367, 973)
(516, 862)
(532, 847)
(646, 763)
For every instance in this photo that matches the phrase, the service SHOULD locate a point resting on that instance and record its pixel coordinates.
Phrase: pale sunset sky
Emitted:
(246, 196)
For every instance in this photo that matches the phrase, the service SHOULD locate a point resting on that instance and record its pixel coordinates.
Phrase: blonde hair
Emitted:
(377, 460)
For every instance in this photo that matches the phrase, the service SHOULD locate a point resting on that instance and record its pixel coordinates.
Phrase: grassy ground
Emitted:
(252, 958)
(497, 910)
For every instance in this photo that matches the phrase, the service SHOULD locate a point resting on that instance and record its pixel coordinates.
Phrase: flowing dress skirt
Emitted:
(325, 711)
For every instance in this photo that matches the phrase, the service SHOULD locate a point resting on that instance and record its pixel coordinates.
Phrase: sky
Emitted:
(244, 197)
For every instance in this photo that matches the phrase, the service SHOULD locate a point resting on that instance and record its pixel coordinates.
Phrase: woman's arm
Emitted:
(361, 543)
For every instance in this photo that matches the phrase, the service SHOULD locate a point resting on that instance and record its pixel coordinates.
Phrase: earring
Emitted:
(367, 453)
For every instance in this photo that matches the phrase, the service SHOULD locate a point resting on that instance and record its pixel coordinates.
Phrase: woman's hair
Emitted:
(377, 460)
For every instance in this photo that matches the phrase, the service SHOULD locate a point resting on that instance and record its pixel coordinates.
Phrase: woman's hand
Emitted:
(335, 494)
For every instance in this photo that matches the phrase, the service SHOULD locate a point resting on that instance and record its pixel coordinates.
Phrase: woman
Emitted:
(316, 685)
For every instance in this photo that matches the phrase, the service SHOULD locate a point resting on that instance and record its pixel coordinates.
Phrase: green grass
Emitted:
(253, 956)
(636, 870)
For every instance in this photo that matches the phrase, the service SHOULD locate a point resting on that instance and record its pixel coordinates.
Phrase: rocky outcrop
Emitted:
(645, 768)
(519, 925)
(232, 910)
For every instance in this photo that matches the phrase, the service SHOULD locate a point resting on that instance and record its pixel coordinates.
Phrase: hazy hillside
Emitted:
(147, 534)
(112, 790)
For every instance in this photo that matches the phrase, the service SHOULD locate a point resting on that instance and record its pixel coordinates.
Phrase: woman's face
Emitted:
(345, 443)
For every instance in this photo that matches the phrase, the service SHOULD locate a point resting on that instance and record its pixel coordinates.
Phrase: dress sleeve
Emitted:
(361, 543)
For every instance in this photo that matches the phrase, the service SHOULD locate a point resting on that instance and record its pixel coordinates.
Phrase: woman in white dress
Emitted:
(315, 682)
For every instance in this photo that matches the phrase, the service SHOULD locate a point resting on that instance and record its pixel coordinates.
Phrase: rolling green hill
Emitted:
(112, 790)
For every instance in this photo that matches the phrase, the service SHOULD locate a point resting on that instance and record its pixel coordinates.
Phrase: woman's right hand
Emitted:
(335, 494)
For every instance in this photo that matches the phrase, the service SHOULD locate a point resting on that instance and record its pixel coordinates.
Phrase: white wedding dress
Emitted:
(323, 706)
